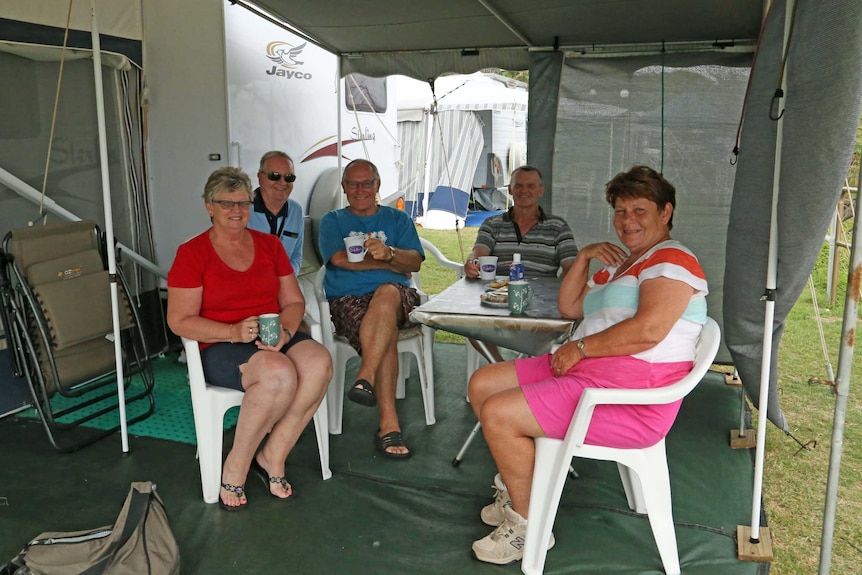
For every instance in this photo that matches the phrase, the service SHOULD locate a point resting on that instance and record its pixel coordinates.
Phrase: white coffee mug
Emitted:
(355, 246)
(488, 267)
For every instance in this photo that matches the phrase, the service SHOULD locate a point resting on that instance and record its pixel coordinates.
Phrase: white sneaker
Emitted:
(506, 543)
(493, 514)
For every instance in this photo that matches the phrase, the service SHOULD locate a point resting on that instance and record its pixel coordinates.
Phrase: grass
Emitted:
(794, 478)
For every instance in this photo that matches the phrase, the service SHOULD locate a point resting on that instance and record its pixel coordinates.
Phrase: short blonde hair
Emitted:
(226, 180)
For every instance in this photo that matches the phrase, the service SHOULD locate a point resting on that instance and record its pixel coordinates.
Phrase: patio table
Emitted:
(458, 309)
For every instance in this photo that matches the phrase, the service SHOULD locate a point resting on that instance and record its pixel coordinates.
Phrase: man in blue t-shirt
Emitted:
(273, 211)
(370, 300)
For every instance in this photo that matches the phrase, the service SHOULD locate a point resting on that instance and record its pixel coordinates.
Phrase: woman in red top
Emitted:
(219, 284)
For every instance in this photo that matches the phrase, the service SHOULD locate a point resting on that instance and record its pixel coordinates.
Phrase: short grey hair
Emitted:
(358, 162)
(528, 168)
(226, 180)
(273, 154)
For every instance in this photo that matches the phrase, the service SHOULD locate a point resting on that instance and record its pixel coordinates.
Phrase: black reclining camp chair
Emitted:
(56, 300)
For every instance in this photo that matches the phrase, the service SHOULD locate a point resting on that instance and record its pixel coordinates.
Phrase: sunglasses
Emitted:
(275, 176)
(229, 205)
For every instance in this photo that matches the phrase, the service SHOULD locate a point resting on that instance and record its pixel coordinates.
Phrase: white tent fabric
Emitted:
(457, 132)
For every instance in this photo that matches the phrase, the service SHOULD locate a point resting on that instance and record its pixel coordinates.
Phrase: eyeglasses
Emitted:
(275, 176)
(365, 185)
(229, 205)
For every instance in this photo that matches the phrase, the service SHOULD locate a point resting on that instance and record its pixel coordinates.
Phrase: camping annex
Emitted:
(573, 52)
(462, 139)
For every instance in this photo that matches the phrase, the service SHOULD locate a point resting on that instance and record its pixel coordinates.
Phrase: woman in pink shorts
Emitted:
(642, 315)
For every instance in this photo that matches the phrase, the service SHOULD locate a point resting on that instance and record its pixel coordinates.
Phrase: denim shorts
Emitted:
(221, 360)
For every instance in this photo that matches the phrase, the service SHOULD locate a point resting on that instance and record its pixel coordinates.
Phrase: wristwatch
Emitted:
(581, 348)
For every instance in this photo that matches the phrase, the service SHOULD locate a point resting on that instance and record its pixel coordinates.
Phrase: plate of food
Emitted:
(501, 284)
(496, 298)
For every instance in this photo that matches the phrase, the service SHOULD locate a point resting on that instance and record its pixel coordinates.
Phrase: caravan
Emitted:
(283, 93)
(459, 143)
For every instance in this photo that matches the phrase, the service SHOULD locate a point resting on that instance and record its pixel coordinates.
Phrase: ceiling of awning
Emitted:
(369, 26)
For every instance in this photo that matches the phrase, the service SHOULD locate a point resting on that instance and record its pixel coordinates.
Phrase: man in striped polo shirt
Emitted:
(545, 242)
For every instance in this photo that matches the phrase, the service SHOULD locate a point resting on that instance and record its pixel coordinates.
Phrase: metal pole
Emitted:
(769, 297)
(845, 362)
(27, 191)
(109, 223)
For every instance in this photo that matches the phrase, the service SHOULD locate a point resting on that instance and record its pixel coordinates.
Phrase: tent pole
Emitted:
(338, 142)
(769, 297)
(845, 362)
(109, 223)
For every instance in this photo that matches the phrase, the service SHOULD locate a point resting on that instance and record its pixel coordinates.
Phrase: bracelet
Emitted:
(581, 348)
(391, 254)
(287, 331)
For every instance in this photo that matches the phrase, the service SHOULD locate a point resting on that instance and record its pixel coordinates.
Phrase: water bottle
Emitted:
(516, 269)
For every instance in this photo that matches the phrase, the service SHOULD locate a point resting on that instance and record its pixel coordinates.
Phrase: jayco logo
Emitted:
(285, 56)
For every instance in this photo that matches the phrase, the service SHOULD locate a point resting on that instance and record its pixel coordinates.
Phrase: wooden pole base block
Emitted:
(748, 551)
(732, 379)
(739, 441)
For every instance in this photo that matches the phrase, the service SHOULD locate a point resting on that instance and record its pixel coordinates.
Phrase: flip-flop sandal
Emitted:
(391, 439)
(363, 393)
(267, 479)
(239, 491)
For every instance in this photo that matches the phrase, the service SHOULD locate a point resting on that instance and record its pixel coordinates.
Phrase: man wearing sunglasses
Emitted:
(273, 211)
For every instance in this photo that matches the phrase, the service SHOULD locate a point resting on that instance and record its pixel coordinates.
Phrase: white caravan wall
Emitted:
(214, 89)
(282, 95)
(187, 114)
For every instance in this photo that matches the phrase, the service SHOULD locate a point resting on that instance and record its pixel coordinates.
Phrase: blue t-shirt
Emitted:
(392, 227)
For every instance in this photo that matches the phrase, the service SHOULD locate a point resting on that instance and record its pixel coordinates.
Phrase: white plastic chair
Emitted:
(418, 341)
(210, 403)
(643, 472)
(473, 356)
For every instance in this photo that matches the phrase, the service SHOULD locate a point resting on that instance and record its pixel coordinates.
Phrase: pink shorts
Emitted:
(553, 399)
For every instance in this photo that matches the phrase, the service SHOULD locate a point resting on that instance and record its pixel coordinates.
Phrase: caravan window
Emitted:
(365, 94)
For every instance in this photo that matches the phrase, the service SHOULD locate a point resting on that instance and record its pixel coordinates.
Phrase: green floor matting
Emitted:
(172, 419)
(378, 516)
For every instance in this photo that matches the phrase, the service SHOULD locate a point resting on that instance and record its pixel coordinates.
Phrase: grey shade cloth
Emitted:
(458, 309)
(815, 159)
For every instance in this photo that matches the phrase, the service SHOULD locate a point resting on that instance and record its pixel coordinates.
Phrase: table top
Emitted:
(459, 310)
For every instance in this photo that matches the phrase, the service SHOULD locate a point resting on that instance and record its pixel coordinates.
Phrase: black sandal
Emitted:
(391, 439)
(239, 491)
(267, 479)
(363, 393)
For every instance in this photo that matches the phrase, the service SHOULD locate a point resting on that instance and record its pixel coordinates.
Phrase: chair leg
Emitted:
(428, 355)
(633, 489)
(403, 375)
(321, 423)
(549, 476)
(210, 437)
(335, 394)
(426, 382)
(655, 481)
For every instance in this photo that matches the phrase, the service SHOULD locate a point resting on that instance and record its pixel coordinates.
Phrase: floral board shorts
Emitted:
(347, 313)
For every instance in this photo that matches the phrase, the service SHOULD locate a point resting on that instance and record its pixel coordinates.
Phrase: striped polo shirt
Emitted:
(544, 248)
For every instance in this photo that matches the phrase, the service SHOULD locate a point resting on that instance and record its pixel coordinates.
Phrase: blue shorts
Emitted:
(221, 360)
